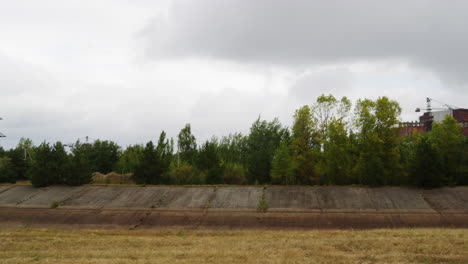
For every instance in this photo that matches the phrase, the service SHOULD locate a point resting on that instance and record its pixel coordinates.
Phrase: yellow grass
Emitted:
(173, 246)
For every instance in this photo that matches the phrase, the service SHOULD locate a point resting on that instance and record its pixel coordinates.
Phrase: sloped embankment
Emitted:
(232, 207)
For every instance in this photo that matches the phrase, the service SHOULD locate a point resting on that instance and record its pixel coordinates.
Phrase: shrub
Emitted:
(262, 206)
(184, 174)
(54, 204)
(234, 173)
(7, 172)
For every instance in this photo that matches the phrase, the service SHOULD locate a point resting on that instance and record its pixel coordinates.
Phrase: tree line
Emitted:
(330, 143)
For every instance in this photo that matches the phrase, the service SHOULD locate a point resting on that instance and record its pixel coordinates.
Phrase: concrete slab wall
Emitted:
(146, 197)
(18, 194)
(95, 196)
(447, 199)
(400, 199)
(292, 197)
(354, 198)
(4, 188)
(46, 196)
(187, 197)
(237, 197)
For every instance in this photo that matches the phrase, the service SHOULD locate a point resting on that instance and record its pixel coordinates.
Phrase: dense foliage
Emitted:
(327, 144)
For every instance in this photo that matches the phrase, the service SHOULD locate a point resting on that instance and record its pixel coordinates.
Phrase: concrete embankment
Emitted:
(232, 207)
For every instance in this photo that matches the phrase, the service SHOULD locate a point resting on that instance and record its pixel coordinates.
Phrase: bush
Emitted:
(42, 167)
(262, 206)
(234, 173)
(184, 174)
(215, 175)
(54, 204)
(7, 172)
(79, 171)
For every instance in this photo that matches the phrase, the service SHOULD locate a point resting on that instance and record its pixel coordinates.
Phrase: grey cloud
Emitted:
(428, 34)
(335, 80)
(231, 110)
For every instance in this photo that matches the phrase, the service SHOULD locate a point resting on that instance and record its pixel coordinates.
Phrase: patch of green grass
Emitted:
(54, 204)
(262, 206)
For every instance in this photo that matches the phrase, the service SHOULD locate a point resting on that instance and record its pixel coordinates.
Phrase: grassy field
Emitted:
(205, 246)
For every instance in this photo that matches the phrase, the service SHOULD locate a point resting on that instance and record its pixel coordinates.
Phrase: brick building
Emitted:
(425, 121)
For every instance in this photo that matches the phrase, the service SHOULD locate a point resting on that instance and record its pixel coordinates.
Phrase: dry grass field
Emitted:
(209, 246)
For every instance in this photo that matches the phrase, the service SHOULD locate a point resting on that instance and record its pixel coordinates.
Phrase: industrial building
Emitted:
(426, 120)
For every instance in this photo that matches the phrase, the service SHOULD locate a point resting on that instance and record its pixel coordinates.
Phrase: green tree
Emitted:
(103, 154)
(147, 170)
(379, 153)
(233, 148)
(79, 166)
(263, 140)
(426, 169)
(187, 145)
(155, 162)
(448, 140)
(328, 109)
(234, 173)
(304, 147)
(165, 152)
(183, 174)
(209, 163)
(334, 161)
(129, 159)
(7, 173)
(282, 170)
(463, 180)
(337, 160)
(50, 165)
(21, 157)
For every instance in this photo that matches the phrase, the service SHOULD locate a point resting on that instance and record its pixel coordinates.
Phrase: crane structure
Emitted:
(428, 117)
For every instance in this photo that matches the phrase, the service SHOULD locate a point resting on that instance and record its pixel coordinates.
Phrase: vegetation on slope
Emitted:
(327, 144)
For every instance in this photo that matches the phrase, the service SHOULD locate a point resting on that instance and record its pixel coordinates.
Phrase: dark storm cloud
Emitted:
(428, 34)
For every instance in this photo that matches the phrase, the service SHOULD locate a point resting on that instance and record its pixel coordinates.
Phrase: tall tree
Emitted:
(233, 148)
(7, 173)
(379, 160)
(305, 146)
(79, 169)
(155, 162)
(426, 170)
(104, 154)
(21, 157)
(209, 163)
(283, 169)
(50, 165)
(331, 118)
(264, 138)
(448, 141)
(187, 145)
(337, 157)
(41, 168)
(129, 159)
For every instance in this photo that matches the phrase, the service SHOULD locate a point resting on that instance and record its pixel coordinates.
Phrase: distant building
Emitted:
(425, 121)
(408, 128)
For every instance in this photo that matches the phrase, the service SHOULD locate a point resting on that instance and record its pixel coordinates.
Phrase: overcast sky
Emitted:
(126, 69)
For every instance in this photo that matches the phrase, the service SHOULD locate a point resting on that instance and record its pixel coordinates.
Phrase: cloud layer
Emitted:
(125, 70)
(429, 34)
